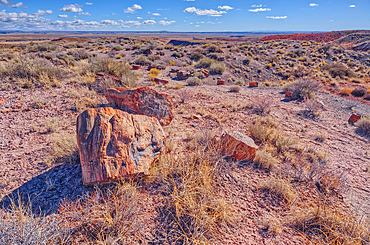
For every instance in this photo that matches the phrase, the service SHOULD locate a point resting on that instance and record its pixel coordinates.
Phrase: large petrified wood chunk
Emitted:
(114, 143)
(144, 101)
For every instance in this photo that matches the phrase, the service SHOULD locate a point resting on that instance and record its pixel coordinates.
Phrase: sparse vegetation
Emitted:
(363, 126)
(193, 81)
(302, 89)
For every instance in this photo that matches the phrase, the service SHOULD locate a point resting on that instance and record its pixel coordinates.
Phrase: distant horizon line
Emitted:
(198, 32)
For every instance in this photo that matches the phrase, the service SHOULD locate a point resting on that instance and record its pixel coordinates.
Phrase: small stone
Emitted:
(237, 146)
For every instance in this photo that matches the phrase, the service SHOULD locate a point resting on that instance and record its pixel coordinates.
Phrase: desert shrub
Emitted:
(359, 91)
(154, 57)
(33, 47)
(68, 59)
(214, 48)
(117, 48)
(261, 106)
(18, 225)
(141, 60)
(193, 81)
(204, 63)
(235, 89)
(178, 54)
(104, 217)
(153, 73)
(338, 70)
(246, 62)
(302, 89)
(199, 75)
(160, 64)
(217, 68)
(112, 67)
(313, 109)
(196, 54)
(37, 72)
(240, 81)
(363, 126)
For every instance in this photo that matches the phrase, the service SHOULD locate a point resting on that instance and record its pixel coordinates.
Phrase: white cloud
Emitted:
(133, 9)
(139, 18)
(209, 12)
(109, 22)
(74, 8)
(166, 23)
(259, 10)
(149, 22)
(165, 18)
(156, 14)
(131, 22)
(313, 5)
(63, 16)
(352, 6)
(88, 3)
(44, 12)
(277, 17)
(256, 5)
(225, 7)
(197, 25)
(84, 13)
(10, 4)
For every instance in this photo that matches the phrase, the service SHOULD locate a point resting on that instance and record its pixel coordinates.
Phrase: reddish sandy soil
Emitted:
(24, 141)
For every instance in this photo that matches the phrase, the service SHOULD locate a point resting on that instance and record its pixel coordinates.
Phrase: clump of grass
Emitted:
(111, 67)
(235, 89)
(280, 188)
(193, 81)
(359, 92)
(261, 106)
(338, 70)
(39, 103)
(204, 63)
(321, 137)
(196, 212)
(18, 225)
(363, 126)
(240, 81)
(264, 159)
(37, 72)
(303, 88)
(64, 148)
(217, 68)
(312, 109)
(153, 73)
(104, 217)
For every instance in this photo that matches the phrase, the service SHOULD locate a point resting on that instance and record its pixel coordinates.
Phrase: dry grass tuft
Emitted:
(104, 217)
(18, 225)
(64, 148)
(303, 88)
(363, 126)
(195, 212)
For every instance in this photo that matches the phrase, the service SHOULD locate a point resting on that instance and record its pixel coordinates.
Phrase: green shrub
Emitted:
(217, 68)
(193, 81)
(338, 70)
(204, 63)
(363, 126)
(240, 81)
(141, 60)
(302, 89)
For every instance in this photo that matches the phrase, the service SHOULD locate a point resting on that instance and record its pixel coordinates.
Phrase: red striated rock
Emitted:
(205, 72)
(113, 143)
(354, 118)
(182, 75)
(136, 67)
(288, 95)
(157, 80)
(144, 101)
(103, 76)
(2, 100)
(220, 82)
(253, 84)
(238, 146)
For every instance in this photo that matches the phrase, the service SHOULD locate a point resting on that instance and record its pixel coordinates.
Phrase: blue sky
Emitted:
(182, 15)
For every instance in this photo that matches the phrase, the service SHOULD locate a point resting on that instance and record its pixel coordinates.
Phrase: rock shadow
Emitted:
(46, 191)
